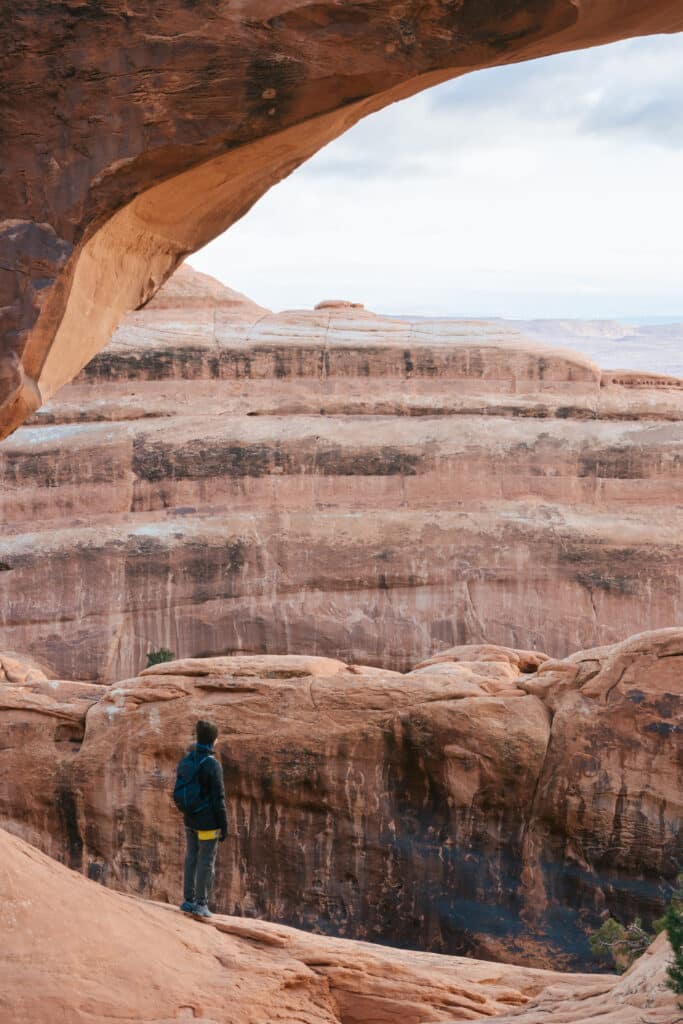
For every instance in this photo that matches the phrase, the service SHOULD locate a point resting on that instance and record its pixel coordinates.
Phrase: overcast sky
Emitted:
(552, 188)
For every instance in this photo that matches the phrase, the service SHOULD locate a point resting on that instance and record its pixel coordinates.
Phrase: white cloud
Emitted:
(551, 188)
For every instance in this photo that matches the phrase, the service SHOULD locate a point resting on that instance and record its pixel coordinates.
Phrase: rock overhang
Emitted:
(127, 165)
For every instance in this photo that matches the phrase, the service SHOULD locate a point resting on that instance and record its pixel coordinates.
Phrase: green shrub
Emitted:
(620, 944)
(673, 922)
(156, 657)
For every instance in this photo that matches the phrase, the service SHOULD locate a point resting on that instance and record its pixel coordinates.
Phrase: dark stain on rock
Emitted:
(70, 732)
(94, 10)
(231, 772)
(57, 467)
(146, 557)
(536, 412)
(472, 364)
(426, 364)
(154, 461)
(213, 569)
(185, 363)
(282, 370)
(235, 365)
(67, 814)
(668, 705)
(610, 584)
(386, 461)
(617, 464)
(665, 729)
(323, 22)
(574, 551)
(266, 779)
(521, 20)
(272, 81)
(574, 412)
(98, 872)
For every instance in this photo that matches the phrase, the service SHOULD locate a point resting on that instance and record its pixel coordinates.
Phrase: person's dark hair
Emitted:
(206, 732)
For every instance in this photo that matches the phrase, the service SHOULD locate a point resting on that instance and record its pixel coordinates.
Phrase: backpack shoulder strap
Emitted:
(207, 757)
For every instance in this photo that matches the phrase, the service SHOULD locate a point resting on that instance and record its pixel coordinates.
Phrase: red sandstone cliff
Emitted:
(223, 479)
(491, 802)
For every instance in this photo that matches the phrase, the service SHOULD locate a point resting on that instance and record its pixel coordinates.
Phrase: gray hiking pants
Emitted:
(200, 860)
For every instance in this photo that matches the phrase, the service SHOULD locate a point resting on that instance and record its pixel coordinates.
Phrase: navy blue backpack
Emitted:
(187, 793)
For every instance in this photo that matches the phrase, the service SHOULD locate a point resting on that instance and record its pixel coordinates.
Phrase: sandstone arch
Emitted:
(132, 133)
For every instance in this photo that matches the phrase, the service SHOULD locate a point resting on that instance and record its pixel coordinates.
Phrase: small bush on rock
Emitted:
(673, 922)
(156, 657)
(620, 944)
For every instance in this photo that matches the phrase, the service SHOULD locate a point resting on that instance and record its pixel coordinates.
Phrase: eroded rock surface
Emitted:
(223, 479)
(131, 136)
(129, 959)
(494, 802)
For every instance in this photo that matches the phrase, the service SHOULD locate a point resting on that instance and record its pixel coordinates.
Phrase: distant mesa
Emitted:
(190, 289)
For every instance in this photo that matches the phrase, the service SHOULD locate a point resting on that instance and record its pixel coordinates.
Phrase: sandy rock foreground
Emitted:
(75, 951)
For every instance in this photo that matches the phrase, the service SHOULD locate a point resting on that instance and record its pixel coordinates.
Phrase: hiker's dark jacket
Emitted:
(214, 815)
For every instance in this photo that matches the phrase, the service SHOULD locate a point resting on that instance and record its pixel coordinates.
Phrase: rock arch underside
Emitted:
(132, 133)
(480, 799)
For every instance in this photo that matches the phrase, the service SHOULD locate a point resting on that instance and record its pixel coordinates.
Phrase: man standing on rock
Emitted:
(199, 794)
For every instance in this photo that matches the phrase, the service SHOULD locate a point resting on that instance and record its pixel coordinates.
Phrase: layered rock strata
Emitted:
(131, 959)
(223, 479)
(131, 137)
(491, 802)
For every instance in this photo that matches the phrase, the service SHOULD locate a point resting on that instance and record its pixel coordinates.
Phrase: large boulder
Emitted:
(609, 807)
(468, 806)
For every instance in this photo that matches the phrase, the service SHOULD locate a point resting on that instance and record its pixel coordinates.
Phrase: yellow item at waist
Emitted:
(208, 833)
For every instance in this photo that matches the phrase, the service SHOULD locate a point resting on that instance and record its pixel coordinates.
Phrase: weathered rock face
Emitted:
(491, 802)
(222, 479)
(132, 136)
(168, 968)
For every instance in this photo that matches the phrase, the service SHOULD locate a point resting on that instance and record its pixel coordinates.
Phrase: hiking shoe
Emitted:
(201, 911)
(188, 907)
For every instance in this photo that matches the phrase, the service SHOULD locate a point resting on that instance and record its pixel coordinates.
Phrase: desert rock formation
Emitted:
(129, 959)
(131, 137)
(222, 479)
(491, 802)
